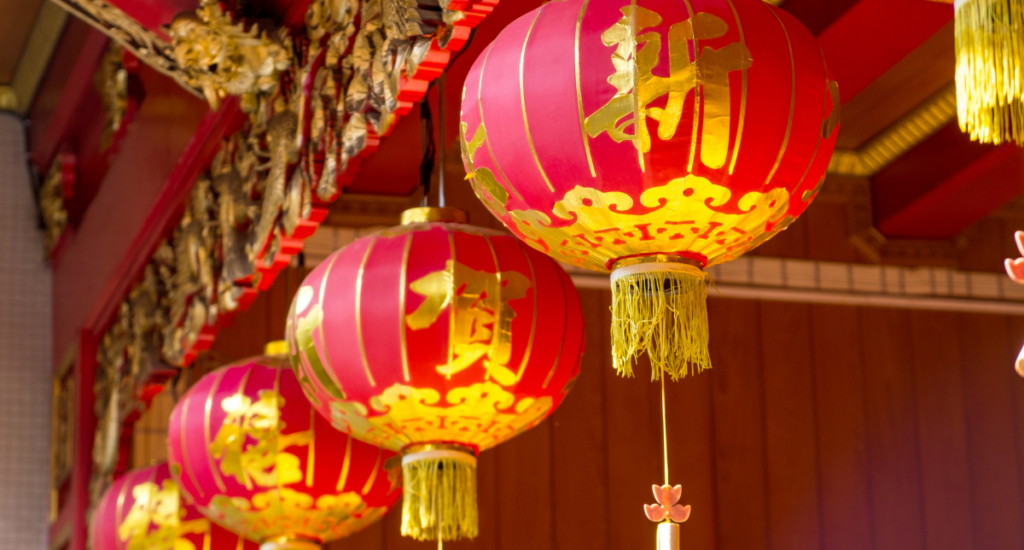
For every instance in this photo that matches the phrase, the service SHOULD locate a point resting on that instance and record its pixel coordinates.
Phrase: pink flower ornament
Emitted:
(667, 507)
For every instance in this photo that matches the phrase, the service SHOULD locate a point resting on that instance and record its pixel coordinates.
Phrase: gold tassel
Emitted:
(660, 309)
(439, 493)
(990, 69)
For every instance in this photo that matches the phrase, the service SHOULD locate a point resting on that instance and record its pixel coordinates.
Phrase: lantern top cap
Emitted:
(277, 348)
(429, 214)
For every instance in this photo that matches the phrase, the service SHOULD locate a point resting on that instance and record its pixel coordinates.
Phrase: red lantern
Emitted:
(652, 139)
(251, 453)
(436, 340)
(143, 510)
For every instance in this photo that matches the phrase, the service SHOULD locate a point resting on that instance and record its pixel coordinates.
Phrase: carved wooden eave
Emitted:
(144, 43)
(296, 112)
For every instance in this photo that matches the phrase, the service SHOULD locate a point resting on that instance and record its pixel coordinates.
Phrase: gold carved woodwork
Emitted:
(221, 57)
(56, 188)
(111, 81)
(62, 434)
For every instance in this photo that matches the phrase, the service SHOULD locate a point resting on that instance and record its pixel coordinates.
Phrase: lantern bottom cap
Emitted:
(291, 543)
(660, 309)
(439, 494)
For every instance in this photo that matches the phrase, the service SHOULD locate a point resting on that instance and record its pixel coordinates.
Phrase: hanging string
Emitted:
(441, 100)
(664, 428)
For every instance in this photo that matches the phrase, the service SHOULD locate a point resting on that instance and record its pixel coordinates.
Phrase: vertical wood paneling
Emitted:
(945, 474)
(842, 431)
(739, 425)
(634, 454)
(579, 440)
(897, 517)
(790, 431)
(988, 399)
(1016, 337)
(526, 510)
(371, 538)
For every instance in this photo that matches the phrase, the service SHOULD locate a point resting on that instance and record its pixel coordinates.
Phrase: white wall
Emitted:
(25, 353)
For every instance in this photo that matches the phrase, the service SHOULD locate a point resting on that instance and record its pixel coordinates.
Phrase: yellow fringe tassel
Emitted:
(990, 70)
(439, 499)
(662, 313)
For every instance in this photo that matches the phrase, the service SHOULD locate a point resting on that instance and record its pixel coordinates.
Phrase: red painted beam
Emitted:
(165, 213)
(962, 199)
(874, 35)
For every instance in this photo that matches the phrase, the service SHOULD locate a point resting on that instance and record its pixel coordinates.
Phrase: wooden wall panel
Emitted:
(790, 431)
(891, 403)
(826, 427)
(942, 433)
(988, 402)
(579, 441)
(739, 432)
(842, 428)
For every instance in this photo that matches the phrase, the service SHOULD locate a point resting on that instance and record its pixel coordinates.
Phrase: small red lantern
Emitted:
(651, 139)
(144, 510)
(251, 453)
(437, 340)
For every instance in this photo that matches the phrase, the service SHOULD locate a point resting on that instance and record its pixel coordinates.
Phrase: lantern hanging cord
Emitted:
(441, 137)
(664, 428)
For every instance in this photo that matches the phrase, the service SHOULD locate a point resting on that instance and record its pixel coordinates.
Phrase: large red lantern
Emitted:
(251, 453)
(144, 510)
(437, 340)
(650, 139)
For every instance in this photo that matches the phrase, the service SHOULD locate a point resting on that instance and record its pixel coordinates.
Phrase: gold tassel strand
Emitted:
(661, 309)
(439, 493)
(990, 69)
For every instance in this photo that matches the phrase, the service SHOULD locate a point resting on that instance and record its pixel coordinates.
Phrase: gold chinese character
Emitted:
(264, 461)
(482, 325)
(635, 58)
(158, 507)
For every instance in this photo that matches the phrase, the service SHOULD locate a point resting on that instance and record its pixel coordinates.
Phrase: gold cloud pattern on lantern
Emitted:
(485, 412)
(287, 510)
(685, 215)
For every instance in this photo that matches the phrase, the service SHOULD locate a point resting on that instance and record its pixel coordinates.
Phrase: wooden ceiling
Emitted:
(15, 27)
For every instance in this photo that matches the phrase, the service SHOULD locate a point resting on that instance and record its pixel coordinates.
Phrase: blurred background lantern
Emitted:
(247, 448)
(650, 139)
(990, 69)
(144, 510)
(437, 340)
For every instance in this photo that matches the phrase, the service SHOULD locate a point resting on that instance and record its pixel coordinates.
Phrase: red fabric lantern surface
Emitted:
(144, 510)
(650, 136)
(436, 337)
(250, 452)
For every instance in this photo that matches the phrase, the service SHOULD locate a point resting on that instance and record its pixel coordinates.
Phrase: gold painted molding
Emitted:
(916, 126)
(49, 24)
